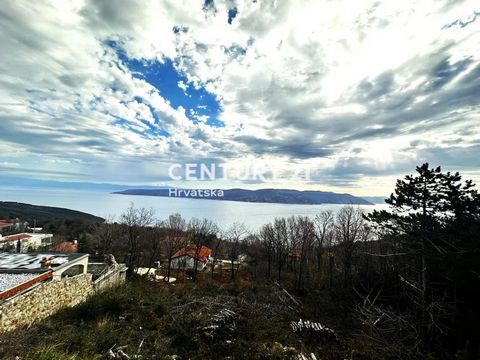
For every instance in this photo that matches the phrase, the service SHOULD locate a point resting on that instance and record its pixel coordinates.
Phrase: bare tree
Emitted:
(324, 224)
(105, 235)
(201, 231)
(350, 227)
(175, 227)
(266, 236)
(329, 243)
(307, 239)
(234, 234)
(135, 220)
(215, 251)
(301, 234)
(253, 246)
(280, 244)
(152, 244)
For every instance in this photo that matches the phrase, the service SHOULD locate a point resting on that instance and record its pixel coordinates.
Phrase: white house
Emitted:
(25, 242)
(185, 258)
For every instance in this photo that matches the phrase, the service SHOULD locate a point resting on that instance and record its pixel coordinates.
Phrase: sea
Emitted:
(224, 213)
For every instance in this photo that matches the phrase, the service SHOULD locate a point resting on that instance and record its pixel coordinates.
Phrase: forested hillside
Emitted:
(40, 215)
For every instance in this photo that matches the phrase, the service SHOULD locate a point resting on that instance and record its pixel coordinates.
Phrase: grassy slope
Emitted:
(167, 320)
(42, 214)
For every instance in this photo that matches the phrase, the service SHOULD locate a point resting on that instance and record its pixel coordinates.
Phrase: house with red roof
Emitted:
(7, 226)
(24, 242)
(185, 258)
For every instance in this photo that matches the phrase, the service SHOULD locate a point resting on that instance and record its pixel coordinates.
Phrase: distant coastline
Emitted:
(274, 196)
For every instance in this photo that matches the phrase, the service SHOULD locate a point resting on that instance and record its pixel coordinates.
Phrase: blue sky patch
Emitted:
(166, 79)
(232, 13)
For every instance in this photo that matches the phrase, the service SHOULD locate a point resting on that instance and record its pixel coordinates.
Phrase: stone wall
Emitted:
(44, 300)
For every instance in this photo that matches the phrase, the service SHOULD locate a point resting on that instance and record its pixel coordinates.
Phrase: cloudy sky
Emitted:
(358, 92)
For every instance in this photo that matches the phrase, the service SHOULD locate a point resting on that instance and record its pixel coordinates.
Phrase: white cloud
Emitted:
(338, 85)
(182, 86)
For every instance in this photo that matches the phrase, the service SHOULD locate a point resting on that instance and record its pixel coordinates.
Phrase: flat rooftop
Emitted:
(8, 280)
(19, 271)
(9, 262)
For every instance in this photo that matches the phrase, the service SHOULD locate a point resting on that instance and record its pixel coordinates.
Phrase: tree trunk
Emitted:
(195, 269)
(169, 268)
(330, 271)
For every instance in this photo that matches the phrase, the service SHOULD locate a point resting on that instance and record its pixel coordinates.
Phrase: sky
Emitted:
(357, 92)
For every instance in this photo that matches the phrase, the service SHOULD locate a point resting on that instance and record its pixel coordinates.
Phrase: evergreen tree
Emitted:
(433, 213)
(436, 218)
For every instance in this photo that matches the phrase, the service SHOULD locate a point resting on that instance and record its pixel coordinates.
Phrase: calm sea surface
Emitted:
(223, 213)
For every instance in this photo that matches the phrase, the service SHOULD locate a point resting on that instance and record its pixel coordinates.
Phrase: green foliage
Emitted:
(436, 215)
(435, 220)
(105, 304)
(425, 207)
(85, 244)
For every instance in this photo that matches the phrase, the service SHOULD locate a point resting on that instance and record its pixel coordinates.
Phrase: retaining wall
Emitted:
(45, 299)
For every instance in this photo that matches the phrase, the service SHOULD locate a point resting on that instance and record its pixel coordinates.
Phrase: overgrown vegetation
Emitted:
(396, 284)
(168, 321)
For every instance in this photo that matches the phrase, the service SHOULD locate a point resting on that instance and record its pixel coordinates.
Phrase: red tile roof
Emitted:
(66, 247)
(203, 253)
(10, 221)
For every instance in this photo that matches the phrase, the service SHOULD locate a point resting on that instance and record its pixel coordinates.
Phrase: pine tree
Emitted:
(436, 217)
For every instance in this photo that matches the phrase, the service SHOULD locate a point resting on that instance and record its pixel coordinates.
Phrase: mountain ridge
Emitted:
(277, 196)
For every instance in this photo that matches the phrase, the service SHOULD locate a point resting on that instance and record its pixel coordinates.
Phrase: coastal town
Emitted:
(39, 277)
(31, 262)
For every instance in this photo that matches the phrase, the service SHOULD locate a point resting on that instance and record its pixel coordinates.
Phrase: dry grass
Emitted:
(168, 320)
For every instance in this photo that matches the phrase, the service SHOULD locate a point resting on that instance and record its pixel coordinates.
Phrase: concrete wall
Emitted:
(44, 300)
(114, 276)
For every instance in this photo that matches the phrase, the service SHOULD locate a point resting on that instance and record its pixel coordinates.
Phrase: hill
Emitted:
(279, 196)
(41, 214)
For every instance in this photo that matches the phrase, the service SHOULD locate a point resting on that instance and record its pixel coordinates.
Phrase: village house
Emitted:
(185, 258)
(8, 226)
(25, 242)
